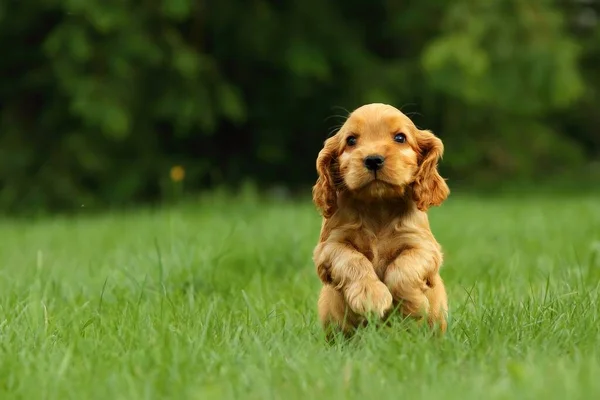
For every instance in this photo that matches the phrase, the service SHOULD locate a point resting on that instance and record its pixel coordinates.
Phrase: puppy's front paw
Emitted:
(369, 297)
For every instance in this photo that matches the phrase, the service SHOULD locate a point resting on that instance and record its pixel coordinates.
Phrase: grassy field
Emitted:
(216, 300)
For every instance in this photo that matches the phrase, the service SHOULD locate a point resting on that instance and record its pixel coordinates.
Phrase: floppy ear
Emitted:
(324, 192)
(429, 188)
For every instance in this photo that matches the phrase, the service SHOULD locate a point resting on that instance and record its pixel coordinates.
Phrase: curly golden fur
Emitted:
(377, 176)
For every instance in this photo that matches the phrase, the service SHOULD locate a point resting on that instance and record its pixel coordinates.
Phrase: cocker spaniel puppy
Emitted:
(377, 178)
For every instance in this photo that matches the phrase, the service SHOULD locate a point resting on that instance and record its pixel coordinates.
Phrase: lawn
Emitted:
(217, 300)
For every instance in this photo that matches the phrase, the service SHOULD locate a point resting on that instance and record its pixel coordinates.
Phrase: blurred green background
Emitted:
(116, 102)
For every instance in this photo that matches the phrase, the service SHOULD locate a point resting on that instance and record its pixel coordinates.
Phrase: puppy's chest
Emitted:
(381, 248)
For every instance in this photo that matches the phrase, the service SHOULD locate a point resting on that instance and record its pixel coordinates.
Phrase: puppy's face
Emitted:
(377, 154)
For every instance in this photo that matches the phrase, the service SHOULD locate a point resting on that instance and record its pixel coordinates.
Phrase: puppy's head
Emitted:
(377, 154)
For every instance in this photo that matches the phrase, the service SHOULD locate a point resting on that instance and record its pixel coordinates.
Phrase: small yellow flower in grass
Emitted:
(177, 173)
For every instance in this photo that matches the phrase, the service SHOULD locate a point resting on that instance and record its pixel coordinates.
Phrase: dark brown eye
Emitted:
(400, 137)
(351, 140)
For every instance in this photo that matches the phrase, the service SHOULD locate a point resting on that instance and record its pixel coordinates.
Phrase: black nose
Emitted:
(374, 162)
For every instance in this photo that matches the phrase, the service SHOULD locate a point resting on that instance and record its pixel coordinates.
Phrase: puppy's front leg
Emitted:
(414, 281)
(353, 274)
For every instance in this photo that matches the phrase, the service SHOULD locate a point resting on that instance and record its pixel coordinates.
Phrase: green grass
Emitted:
(217, 300)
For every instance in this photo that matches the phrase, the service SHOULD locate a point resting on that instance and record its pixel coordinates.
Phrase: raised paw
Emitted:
(368, 297)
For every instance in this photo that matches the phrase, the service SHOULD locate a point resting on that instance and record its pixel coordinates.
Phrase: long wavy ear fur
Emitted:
(324, 191)
(429, 188)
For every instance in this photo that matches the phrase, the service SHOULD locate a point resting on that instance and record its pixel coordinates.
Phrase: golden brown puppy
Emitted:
(377, 178)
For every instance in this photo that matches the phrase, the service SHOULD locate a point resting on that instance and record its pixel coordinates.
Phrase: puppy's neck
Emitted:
(380, 208)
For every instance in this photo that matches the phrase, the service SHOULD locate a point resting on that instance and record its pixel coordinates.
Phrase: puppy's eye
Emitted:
(351, 140)
(400, 138)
